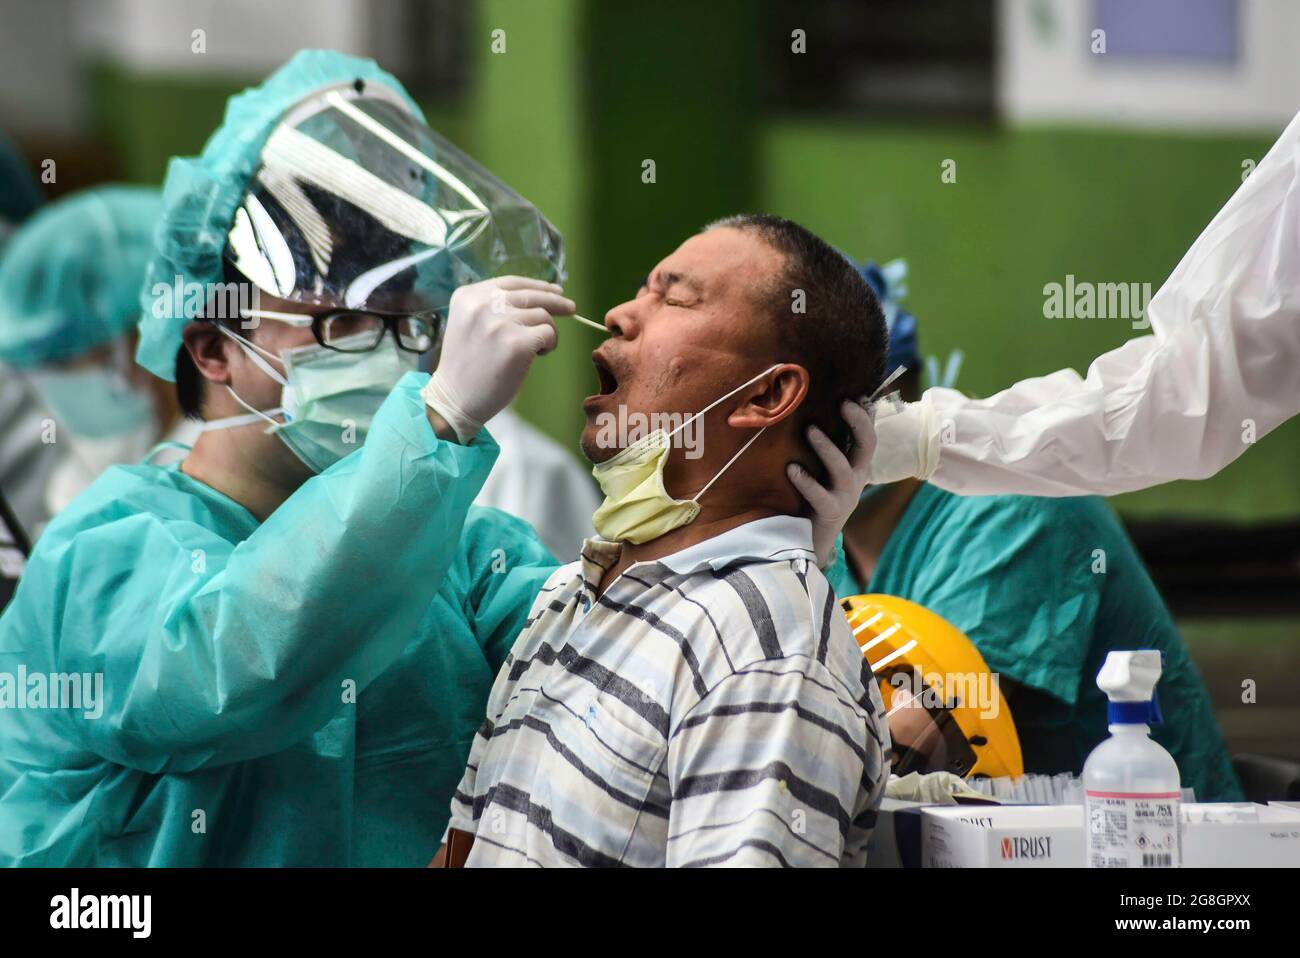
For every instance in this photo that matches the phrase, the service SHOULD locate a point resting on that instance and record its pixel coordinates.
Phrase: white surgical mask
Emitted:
(328, 397)
(637, 507)
(96, 402)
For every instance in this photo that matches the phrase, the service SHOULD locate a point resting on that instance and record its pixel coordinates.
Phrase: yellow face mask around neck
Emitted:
(637, 506)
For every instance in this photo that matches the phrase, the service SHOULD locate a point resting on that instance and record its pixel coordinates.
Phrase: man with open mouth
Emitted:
(687, 692)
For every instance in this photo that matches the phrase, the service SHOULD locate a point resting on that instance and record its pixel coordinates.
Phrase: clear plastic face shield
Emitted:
(925, 737)
(358, 205)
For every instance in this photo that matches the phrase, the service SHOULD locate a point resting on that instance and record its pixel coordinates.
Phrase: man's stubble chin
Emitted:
(591, 449)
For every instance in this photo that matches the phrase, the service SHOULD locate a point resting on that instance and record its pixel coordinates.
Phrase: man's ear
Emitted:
(210, 350)
(771, 399)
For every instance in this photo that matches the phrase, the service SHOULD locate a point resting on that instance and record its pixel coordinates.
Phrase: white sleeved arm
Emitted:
(1220, 369)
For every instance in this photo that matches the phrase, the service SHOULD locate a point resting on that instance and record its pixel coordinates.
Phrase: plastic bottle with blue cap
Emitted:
(1132, 790)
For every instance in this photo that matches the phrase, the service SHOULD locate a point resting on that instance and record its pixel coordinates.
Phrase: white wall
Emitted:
(45, 45)
(242, 36)
(40, 88)
(1049, 75)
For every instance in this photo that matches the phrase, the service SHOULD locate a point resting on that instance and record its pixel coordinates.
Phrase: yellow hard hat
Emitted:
(916, 654)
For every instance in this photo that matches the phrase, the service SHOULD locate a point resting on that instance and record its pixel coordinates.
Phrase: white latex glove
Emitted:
(934, 788)
(832, 506)
(495, 328)
(907, 442)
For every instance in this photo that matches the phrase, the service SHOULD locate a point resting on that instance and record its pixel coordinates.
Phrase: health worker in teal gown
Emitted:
(276, 652)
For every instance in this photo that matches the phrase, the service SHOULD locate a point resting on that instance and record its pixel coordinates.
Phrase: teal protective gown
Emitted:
(299, 692)
(1022, 577)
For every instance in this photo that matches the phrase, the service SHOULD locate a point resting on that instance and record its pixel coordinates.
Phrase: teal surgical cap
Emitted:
(201, 194)
(70, 275)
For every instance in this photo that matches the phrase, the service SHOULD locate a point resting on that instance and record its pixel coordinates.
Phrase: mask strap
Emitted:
(251, 349)
(169, 444)
(231, 422)
(253, 415)
(753, 439)
(720, 399)
(246, 345)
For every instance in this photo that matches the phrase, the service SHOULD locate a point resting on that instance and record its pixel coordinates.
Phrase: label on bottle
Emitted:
(1134, 829)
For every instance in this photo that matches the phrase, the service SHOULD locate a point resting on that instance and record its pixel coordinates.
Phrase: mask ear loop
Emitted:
(721, 399)
(246, 345)
(254, 415)
(753, 439)
(696, 498)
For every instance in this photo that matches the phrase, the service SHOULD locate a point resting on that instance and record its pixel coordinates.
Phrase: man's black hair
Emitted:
(190, 383)
(839, 336)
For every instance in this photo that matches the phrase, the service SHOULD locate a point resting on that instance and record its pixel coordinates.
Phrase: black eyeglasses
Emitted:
(358, 331)
(349, 331)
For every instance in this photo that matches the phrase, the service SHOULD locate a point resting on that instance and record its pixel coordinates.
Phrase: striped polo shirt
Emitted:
(710, 708)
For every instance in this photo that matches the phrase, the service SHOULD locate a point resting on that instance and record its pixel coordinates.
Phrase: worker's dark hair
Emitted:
(190, 383)
(827, 320)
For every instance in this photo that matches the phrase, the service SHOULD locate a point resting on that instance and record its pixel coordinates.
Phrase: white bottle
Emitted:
(1132, 793)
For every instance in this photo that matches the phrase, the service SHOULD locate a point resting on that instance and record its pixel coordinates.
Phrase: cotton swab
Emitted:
(587, 322)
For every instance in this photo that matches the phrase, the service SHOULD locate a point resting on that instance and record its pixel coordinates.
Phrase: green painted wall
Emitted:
(527, 125)
(678, 88)
(1028, 207)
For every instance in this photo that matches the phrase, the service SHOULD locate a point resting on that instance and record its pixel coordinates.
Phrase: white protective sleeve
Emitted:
(1220, 369)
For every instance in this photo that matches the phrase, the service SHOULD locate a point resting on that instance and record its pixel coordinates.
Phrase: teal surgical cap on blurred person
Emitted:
(324, 186)
(19, 194)
(70, 275)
